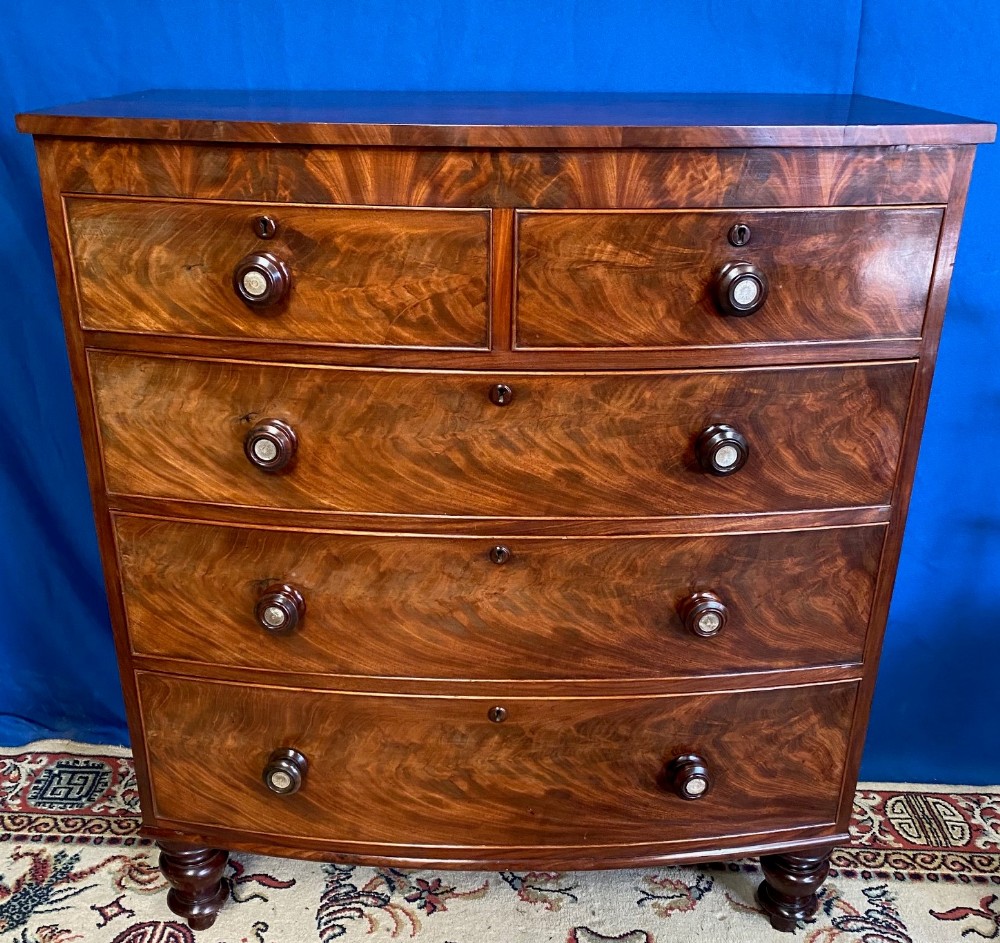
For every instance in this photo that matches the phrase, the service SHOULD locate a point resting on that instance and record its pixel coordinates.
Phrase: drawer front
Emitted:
(370, 277)
(648, 279)
(442, 608)
(559, 772)
(583, 445)
(572, 178)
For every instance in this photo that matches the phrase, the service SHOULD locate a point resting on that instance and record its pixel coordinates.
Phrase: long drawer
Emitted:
(567, 445)
(437, 771)
(650, 279)
(504, 608)
(383, 277)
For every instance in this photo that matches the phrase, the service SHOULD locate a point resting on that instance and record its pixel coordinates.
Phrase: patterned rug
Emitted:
(925, 867)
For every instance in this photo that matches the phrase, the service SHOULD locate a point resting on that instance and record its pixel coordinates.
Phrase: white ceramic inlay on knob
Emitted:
(746, 291)
(281, 780)
(274, 616)
(695, 786)
(254, 283)
(726, 456)
(265, 450)
(710, 622)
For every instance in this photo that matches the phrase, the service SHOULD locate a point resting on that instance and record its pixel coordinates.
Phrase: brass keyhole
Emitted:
(499, 555)
(739, 235)
(497, 714)
(265, 226)
(501, 394)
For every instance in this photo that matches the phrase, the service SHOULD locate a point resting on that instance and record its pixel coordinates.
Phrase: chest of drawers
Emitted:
(500, 481)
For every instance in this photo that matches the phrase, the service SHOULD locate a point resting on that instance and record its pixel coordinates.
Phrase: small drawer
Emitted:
(379, 277)
(509, 608)
(675, 279)
(494, 775)
(525, 445)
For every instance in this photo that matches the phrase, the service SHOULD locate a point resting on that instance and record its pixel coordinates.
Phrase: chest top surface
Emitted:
(507, 119)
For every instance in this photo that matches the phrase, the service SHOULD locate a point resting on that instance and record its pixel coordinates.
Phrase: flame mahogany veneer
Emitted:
(404, 277)
(500, 481)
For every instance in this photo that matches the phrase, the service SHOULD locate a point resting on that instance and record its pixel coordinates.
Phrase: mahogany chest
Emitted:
(494, 481)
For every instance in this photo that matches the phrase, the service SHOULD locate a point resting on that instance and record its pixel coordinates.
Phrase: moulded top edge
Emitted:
(507, 119)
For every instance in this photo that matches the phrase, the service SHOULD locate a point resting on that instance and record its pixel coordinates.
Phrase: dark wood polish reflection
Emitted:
(587, 768)
(558, 608)
(396, 278)
(649, 279)
(433, 443)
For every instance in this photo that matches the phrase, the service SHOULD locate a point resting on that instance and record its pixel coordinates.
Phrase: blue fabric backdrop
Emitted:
(936, 701)
(937, 706)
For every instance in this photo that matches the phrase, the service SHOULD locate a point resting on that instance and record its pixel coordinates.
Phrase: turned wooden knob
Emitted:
(285, 771)
(280, 609)
(270, 445)
(261, 280)
(688, 776)
(740, 289)
(704, 614)
(721, 449)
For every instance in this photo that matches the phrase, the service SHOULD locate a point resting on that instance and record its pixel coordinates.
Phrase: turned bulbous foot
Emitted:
(788, 892)
(197, 890)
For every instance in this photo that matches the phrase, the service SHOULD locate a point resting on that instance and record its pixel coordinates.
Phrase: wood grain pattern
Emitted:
(579, 772)
(602, 359)
(412, 443)
(430, 687)
(379, 277)
(502, 279)
(574, 179)
(570, 445)
(439, 608)
(506, 119)
(647, 279)
(934, 321)
(492, 859)
(726, 177)
(578, 526)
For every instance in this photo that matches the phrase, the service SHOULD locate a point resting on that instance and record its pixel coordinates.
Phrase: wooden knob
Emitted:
(261, 280)
(721, 449)
(740, 288)
(285, 771)
(270, 445)
(704, 614)
(688, 776)
(280, 609)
